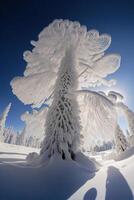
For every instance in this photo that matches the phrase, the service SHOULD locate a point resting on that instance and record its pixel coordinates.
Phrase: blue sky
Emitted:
(21, 21)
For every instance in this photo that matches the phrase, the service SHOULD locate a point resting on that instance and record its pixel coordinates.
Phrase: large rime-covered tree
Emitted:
(65, 57)
(3, 121)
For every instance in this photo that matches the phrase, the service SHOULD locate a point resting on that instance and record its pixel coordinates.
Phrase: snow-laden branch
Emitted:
(98, 116)
(129, 114)
(44, 61)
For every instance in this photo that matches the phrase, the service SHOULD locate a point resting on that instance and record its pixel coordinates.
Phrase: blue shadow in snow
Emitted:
(90, 194)
(58, 180)
(117, 187)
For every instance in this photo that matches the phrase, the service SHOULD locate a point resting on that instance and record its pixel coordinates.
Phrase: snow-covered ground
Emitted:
(61, 180)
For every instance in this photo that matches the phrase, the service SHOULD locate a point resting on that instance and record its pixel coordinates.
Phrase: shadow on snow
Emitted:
(117, 187)
(57, 180)
(90, 194)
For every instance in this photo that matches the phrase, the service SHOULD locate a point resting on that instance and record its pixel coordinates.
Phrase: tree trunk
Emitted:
(62, 134)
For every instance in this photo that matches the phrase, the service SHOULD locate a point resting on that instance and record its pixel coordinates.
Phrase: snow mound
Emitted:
(55, 179)
(86, 163)
(31, 157)
(63, 179)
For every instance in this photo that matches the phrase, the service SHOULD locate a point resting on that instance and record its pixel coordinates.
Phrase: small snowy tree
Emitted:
(65, 56)
(3, 121)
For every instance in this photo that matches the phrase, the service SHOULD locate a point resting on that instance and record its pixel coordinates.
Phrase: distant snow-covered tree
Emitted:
(65, 57)
(33, 133)
(10, 136)
(3, 121)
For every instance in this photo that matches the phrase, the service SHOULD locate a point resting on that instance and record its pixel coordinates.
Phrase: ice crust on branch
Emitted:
(44, 61)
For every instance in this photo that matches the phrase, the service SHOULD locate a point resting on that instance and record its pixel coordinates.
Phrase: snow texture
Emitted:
(64, 180)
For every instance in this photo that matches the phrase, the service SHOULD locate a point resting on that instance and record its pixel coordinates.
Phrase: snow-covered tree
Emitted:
(98, 116)
(65, 57)
(34, 127)
(20, 140)
(3, 121)
(110, 105)
(117, 98)
(129, 114)
(10, 136)
(121, 143)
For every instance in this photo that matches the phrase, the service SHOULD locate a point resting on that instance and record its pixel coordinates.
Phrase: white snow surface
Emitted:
(61, 180)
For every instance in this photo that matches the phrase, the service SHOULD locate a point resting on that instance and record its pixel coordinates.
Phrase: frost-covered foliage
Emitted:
(98, 117)
(129, 116)
(117, 98)
(44, 61)
(33, 133)
(3, 121)
(97, 106)
(65, 57)
(121, 143)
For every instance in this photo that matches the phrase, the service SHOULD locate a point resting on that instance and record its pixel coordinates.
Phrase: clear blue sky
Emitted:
(21, 21)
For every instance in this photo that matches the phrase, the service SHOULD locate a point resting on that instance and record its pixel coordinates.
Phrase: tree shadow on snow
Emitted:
(90, 194)
(117, 187)
(58, 180)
